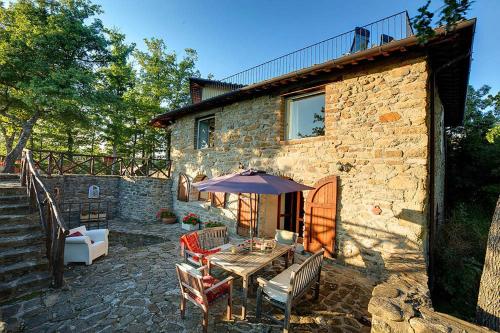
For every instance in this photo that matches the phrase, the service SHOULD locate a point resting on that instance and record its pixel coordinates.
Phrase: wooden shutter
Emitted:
(321, 212)
(183, 188)
(244, 214)
(219, 199)
(197, 195)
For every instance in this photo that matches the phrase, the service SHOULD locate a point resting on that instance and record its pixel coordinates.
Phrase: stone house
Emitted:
(366, 129)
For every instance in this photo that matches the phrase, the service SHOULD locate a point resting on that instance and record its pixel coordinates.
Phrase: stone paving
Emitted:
(135, 289)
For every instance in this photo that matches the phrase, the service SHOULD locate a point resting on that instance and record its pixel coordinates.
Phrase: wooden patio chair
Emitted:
(203, 290)
(195, 246)
(288, 238)
(288, 287)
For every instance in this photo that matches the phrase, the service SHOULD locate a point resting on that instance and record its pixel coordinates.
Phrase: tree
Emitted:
(488, 301)
(473, 186)
(116, 80)
(451, 12)
(48, 52)
(163, 83)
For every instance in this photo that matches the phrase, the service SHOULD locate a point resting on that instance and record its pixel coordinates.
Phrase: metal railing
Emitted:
(50, 217)
(51, 162)
(386, 30)
(91, 214)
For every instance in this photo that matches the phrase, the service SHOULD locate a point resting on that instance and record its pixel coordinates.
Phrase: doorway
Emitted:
(291, 212)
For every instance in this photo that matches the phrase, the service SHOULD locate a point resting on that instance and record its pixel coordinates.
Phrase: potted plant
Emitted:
(166, 216)
(211, 224)
(190, 222)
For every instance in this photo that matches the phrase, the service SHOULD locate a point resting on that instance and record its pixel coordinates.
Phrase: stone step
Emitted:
(17, 208)
(9, 176)
(11, 189)
(13, 199)
(23, 285)
(17, 254)
(12, 271)
(18, 229)
(19, 219)
(21, 240)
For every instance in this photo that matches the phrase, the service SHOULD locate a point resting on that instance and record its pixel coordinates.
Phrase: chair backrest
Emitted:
(213, 237)
(361, 39)
(191, 241)
(306, 273)
(191, 282)
(80, 229)
(286, 237)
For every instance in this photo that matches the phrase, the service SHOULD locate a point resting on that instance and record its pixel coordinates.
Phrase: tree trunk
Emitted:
(488, 301)
(15, 153)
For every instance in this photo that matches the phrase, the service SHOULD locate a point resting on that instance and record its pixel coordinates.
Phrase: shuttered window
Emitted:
(219, 199)
(183, 188)
(196, 195)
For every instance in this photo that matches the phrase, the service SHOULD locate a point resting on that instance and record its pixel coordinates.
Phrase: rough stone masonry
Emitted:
(376, 119)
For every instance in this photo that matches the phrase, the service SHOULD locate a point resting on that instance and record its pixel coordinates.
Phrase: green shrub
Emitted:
(459, 258)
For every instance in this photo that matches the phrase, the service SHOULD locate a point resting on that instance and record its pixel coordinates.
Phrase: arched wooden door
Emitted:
(321, 211)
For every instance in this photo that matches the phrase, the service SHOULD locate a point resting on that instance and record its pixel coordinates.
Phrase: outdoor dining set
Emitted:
(211, 248)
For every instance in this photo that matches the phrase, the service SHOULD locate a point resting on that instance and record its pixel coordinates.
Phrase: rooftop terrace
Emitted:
(392, 28)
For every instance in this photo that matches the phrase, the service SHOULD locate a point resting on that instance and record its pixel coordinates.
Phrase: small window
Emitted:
(305, 116)
(183, 188)
(205, 128)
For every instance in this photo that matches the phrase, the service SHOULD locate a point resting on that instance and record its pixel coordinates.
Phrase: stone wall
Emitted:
(402, 303)
(74, 188)
(137, 198)
(141, 197)
(376, 119)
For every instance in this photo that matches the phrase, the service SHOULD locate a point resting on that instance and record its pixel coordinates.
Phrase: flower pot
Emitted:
(189, 227)
(168, 220)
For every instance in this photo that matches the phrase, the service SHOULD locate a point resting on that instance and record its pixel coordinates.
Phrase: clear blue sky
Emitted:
(232, 35)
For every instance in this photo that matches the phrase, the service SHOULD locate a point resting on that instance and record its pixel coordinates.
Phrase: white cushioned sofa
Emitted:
(81, 248)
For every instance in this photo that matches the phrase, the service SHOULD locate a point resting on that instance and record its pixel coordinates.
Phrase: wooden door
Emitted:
(243, 228)
(321, 211)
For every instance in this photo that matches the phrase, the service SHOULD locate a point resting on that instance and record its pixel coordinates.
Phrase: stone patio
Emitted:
(135, 289)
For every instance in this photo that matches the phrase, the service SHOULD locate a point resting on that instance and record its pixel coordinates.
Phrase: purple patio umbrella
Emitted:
(253, 182)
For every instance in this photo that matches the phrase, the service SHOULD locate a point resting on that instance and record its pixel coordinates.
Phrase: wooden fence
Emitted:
(51, 162)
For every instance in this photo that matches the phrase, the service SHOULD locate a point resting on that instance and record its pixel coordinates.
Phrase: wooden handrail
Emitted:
(53, 162)
(50, 217)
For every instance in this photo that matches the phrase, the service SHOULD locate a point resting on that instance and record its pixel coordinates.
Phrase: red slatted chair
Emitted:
(203, 290)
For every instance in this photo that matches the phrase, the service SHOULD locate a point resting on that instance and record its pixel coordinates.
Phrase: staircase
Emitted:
(23, 265)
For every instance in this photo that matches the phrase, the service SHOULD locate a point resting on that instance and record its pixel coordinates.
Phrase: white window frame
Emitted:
(288, 100)
(198, 130)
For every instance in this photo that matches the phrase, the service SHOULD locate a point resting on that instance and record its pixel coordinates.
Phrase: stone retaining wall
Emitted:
(402, 303)
(142, 197)
(74, 188)
(137, 198)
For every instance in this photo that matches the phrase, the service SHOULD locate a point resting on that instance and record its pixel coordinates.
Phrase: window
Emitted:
(305, 116)
(205, 132)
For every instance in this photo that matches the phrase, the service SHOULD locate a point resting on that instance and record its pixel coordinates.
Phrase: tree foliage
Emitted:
(473, 185)
(451, 12)
(68, 83)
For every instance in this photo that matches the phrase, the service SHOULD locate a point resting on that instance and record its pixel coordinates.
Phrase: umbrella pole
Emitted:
(251, 222)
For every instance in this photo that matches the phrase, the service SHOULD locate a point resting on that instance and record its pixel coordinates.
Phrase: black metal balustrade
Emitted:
(384, 31)
(92, 214)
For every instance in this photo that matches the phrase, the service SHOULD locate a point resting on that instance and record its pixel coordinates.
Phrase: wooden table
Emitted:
(245, 263)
